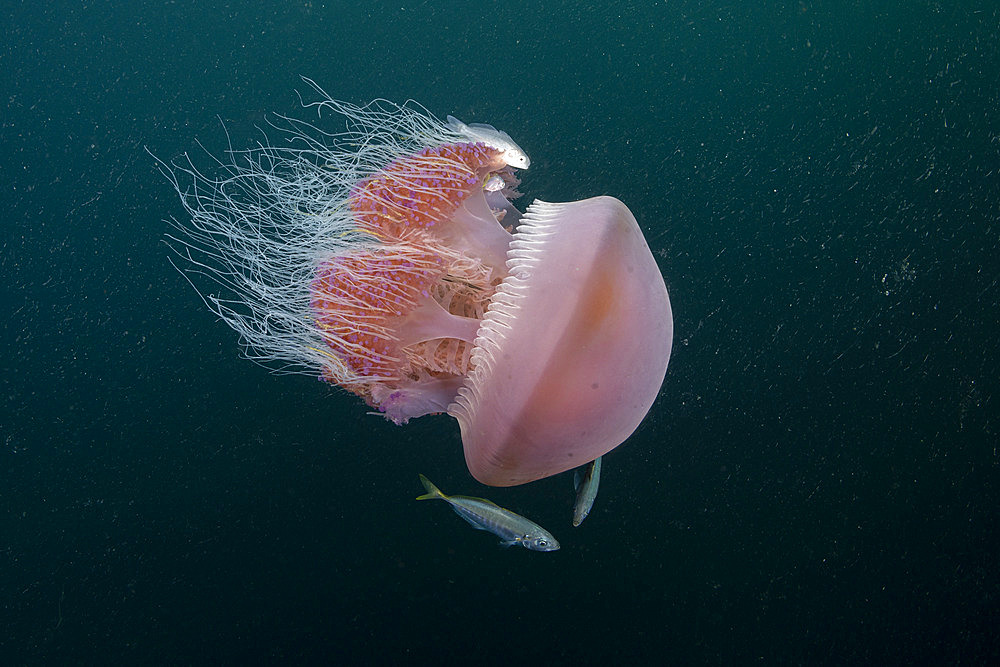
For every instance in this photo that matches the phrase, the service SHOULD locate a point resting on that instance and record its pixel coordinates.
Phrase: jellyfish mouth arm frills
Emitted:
(417, 299)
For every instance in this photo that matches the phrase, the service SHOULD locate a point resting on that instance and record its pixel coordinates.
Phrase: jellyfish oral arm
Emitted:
(416, 398)
(429, 321)
(476, 229)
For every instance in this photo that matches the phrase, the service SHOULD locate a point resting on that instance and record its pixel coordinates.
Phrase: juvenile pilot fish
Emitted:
(494, 138)
(586, 490)
(484, 515)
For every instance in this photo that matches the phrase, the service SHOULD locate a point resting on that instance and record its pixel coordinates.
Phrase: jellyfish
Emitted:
(386, 257)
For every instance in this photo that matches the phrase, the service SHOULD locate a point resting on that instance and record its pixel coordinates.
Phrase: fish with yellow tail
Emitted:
(586, 490)
(483, 515)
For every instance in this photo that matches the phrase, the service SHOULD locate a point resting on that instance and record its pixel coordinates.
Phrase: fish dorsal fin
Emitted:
(478, 500)
(477, 130)
(485, 126)
(576, 480)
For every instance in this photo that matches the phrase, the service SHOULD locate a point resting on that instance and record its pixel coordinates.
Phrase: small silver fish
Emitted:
(494, 183)
(512, 154)
(482, 514)
(586, 490)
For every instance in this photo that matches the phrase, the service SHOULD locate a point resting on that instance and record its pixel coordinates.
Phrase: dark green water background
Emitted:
(817, 482)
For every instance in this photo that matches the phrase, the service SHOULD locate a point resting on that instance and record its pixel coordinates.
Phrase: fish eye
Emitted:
(542, 543)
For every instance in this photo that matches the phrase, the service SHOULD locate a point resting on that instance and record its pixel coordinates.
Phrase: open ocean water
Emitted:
(817, 482)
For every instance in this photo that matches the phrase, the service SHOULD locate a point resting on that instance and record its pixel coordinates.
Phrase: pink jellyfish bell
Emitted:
(573, 348)
(389, 259)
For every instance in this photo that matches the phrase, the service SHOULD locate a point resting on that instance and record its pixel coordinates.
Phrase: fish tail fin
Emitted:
(433, 493)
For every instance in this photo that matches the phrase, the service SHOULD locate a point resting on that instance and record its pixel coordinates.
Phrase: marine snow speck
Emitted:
(586, 490)
(483, 515)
